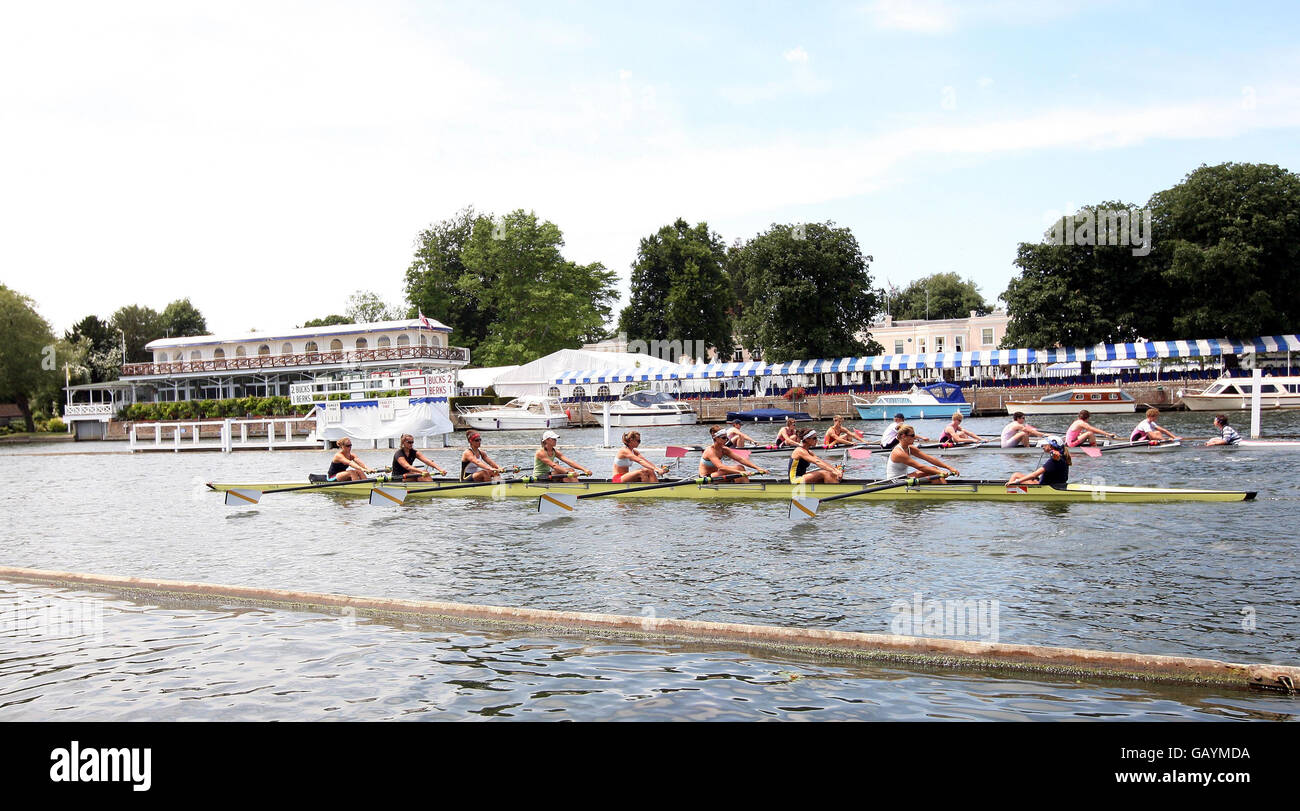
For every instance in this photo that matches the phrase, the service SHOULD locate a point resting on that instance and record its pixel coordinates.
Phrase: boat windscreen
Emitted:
(945, 392)
(648, 398)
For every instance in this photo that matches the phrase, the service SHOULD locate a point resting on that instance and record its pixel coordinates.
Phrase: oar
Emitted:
(801, 508)
(383, 496)
(565, 503)
(238, 497)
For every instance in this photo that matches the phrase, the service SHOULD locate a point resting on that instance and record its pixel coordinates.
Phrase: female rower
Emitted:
(1148, 430)
(1055, 468)
(627, 455)
(737, 438)
(1016, 434)
(1227, 434)
(475, 464)
(803, 456)
(954, 434)
(546, 462)
(346, 467)
(905, 454)
(712, 461)
(788, 436)
(1082, 432)
(837, 434)
(404, 468)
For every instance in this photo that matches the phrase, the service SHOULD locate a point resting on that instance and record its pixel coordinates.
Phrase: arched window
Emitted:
(310, 347)
(336, 345)
(218, 353)
(264, 350)
(239, 352)
(553, 391)
(196, 355)
(361, 344)
(286, 348)
(603, 391)
(424, 339)
(383, 342)
(403, 340)
(579, 392)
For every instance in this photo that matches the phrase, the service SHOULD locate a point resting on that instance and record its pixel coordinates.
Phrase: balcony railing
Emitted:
(88, 410)
(455, 354)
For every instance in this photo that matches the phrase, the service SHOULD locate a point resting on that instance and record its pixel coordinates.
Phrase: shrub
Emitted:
(56, 424)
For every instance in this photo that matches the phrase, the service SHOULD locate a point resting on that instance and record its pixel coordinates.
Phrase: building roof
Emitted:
(303, 332)
(10, 410)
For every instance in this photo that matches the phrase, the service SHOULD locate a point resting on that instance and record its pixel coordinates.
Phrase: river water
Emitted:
(1212, 580)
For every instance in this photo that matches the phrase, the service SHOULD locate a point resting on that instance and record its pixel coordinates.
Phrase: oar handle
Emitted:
(898, 482)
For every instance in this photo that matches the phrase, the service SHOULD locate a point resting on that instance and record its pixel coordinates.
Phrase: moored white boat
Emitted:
(1234, 394)
(928, 402)
(650, 408)
(521, 414)
(1071, 401)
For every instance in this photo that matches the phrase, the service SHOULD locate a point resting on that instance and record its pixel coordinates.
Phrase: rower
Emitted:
(404, 460)
(737, 438)
(627, 455)
(1016, 434)
(1055, 469)
(905, 454)
(546, 462)
(475, 464)
(838, 435)
(1150, 431)
(788, 436)
(890, 437)
(1227, 434)
(1082, 432)
(714, 456)
(954, 434)
(803, 456)
(345, 466)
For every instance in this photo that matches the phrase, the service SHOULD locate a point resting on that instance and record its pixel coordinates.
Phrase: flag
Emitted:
(424, 320)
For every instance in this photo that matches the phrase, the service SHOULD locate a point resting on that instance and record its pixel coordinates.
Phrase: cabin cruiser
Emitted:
(644, 408)
(922, 402)
(1072, 401)
(520, 414)
(1234, 394)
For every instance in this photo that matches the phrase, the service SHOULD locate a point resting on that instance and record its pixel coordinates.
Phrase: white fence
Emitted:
(233, 434)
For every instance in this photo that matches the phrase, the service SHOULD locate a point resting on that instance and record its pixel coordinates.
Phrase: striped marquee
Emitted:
(1211, 347)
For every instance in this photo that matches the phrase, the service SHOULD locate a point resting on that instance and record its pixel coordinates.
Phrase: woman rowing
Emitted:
(1016, 434)
(546, 462)
(1149, 431)
(838, 435)
(803, 456)
(345, 466)
(1082, 432)
(475, 464)
(788, 436)
(905, 454)
(954, 434)
(713, 460)
(404, 461)
(1055, 468)
(627, 455)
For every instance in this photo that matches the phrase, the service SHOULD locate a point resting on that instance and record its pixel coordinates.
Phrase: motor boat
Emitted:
(1234, 394)
(648, 408)
(921, 402)
(1072, 401)
(520, 414)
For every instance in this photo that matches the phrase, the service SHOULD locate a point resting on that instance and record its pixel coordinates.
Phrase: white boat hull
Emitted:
(1068, 408)
(1239, 402)
(483, 422)
(650, 419)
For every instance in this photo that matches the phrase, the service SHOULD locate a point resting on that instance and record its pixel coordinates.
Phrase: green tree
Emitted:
(181, 319)
(1228, 241)
(329, 321)
(96, 349)
(805, 293)
(939, 295)
(366, 307)
(680, 288)
(1082, 294)
(139, 326)
(28, 355)
(433, 280)
(542, 302)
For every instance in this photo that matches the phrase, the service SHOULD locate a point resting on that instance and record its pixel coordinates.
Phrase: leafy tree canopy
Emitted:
(329, 321)
(948, 297)
(805, 293)
(433, 279)
(29, 359)
(680, 288)
(181, 319)
(366, 307)
(139, 326)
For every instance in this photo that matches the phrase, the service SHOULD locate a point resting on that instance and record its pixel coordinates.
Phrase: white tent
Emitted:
(537, 377)
(474, 381)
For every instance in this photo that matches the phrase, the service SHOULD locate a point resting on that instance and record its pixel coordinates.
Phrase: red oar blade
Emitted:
(1091, 451)
(859, 453)
(675, 452)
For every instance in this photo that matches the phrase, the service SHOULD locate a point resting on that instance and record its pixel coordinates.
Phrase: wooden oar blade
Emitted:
(242, 498)
(387, 496)
(675, 452)
(859, 453)
(801, 509)
(557, 503)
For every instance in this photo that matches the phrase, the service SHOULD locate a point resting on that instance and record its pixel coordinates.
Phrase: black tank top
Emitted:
(1055, 471)
(798, 466)
(398, 470)
(336, 468)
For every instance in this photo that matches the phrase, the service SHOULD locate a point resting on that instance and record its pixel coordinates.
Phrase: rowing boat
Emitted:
(952, 490)
(980, 448)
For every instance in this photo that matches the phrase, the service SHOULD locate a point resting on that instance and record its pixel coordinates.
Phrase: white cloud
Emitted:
(918, 16)
(796, 54)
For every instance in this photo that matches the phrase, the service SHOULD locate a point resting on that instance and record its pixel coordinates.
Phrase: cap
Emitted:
(899, 416)
(1052, 442)
(550, 435)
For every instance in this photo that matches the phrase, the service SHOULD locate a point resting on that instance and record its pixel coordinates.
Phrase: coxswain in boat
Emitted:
(546, 462)
(627, 455)
(475, 464)
(345, 467)
(837, 435)
(803, 456)
(954, 434)
(1082, 432)
(404, 460)
(890, 437)
(1149, 431)
(788, 436)
(905, 454)
(1055, 468)
(713, 460)
(1016, 434)
(1227, 434)
(737, 438)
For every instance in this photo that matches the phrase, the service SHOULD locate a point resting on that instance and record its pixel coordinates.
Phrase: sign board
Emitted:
(333, 413)
(301, 393)
(387, 408)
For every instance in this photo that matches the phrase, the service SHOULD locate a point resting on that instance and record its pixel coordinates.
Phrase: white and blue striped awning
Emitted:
(1144, 350)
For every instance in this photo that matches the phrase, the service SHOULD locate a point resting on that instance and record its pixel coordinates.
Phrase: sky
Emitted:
(267, 159)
